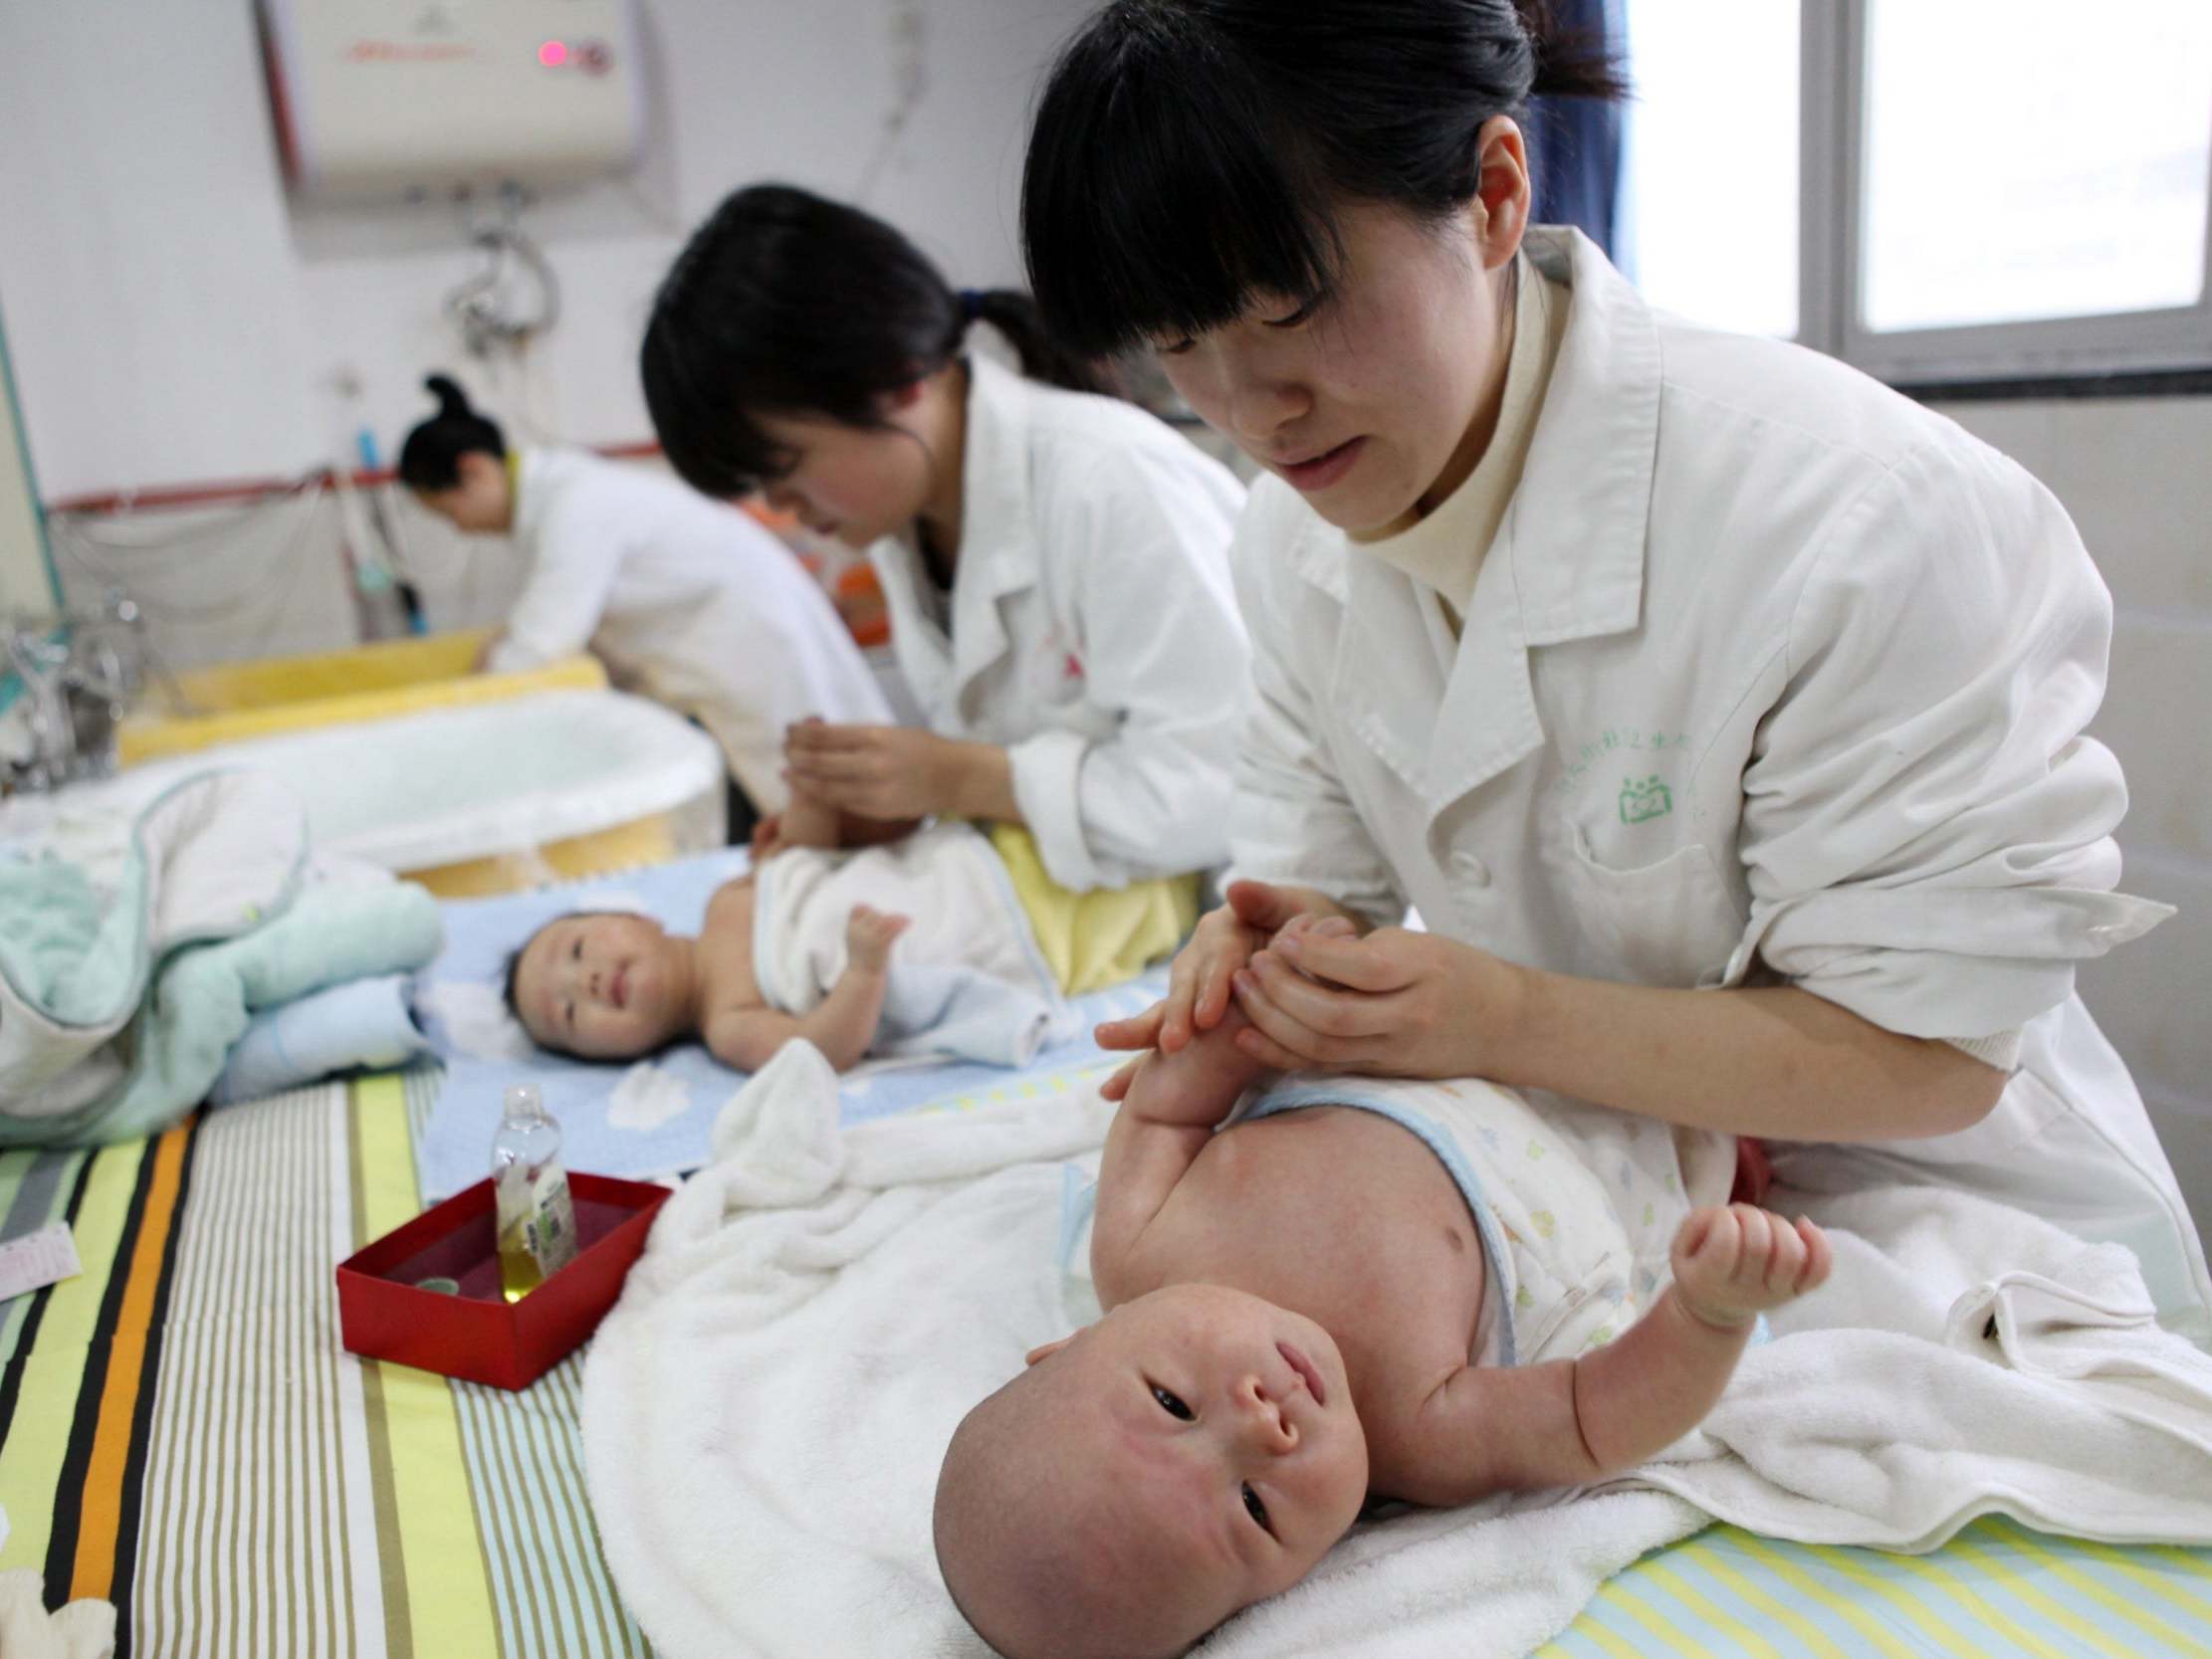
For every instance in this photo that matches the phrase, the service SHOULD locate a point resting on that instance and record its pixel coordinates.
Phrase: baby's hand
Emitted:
(868, 935)
(1734, 1261)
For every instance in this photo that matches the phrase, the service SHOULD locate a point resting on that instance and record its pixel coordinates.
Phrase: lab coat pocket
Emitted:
(1672, 923)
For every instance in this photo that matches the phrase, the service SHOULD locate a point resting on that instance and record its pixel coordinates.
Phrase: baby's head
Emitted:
(1191, 1453)
(603, 985)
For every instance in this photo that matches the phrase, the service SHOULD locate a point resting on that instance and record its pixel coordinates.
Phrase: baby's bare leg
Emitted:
(808, 821)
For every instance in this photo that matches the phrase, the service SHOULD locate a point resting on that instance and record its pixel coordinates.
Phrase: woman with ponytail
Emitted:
(688, 601)
(1054, 561)
(1719, 710)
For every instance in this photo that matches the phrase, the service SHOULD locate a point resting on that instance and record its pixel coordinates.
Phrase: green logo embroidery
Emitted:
(1641, 802)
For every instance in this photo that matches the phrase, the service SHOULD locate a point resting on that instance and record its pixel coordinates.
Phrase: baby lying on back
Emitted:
(792, 949)
(1355, 1289)
(615, 986)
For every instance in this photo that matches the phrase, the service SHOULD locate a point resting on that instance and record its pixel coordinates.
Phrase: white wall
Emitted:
(177, 316)
(23, 579)
(2136, 475)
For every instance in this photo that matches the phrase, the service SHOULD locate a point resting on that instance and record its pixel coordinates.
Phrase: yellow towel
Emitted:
(1094, 940)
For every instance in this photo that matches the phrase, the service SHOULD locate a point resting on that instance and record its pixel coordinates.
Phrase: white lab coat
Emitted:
(1094, 632)
(1768, 672)
(687, 600)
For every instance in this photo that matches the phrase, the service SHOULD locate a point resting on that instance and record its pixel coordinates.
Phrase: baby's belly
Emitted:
(1348, 1218)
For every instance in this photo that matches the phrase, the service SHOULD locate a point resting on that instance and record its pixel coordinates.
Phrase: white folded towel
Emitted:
(766, 1408)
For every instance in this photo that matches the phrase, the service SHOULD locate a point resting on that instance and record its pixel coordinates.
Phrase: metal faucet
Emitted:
(73, 675)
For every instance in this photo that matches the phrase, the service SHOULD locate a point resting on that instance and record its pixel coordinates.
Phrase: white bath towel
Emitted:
(766, 1408)
(966, 977)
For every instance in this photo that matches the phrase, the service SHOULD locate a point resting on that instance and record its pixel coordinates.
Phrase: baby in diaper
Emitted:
(801, 947)
(1341, 1291)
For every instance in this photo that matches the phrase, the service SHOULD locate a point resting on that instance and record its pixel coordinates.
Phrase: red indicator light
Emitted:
(552, 54)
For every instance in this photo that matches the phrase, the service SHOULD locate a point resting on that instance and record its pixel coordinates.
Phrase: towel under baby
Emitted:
(766, 1407)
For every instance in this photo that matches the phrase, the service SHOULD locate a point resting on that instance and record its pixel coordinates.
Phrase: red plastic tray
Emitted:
(479, 1336)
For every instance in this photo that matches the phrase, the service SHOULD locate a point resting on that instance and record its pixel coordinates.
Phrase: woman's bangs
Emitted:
(1155, 208)
(694, 395)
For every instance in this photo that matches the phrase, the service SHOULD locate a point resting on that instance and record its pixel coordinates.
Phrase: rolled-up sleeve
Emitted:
(1926, 831)
(1293, 822)
(1165, 658)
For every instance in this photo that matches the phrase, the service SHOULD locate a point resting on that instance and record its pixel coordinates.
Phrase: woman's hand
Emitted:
(1393, 1005)
(1199, 981)
(878, 771)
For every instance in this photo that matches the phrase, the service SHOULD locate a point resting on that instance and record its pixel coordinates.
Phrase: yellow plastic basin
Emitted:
(228, 703)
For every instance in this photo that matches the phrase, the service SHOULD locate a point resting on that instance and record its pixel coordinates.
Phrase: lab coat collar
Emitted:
(1572, 567)
(1578, 561)
(998, 550)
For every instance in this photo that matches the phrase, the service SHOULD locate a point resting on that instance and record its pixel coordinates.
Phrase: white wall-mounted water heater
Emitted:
(388, 97)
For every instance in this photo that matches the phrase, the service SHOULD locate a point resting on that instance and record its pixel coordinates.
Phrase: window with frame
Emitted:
(1977, 189)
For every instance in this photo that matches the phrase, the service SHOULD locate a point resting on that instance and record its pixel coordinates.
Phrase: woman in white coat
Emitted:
(1054, 561)
(689, 601)
(1719, 711)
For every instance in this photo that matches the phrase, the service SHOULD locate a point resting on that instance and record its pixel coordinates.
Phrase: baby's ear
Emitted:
(1045, 1353)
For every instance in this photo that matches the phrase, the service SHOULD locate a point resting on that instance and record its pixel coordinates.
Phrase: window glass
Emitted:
(2034, 158)
(1712, 193)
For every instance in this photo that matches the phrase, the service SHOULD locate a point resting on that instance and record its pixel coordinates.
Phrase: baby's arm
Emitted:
(842, 1024)
(1168, 1114)
(1496, 1428)
(1165, 1120)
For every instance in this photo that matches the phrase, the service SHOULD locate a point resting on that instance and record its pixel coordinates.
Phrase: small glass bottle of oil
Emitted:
(536, 1220)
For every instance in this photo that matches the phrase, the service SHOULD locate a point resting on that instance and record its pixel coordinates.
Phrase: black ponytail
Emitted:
(1570, 63)
(1016, 316)
(431, 458)
(787, 304)
(1188, 154)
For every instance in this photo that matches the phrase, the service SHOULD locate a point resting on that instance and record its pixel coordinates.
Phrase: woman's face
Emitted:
(857, 484)
(1380, 396)
(479, 500)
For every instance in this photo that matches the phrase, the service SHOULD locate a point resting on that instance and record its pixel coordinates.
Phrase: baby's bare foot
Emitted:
(1735, 1261)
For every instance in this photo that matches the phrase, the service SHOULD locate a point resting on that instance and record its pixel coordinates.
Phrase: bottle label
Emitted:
(550, 1230)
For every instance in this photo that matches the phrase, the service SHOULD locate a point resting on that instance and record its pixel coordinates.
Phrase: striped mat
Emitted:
(181, 1433)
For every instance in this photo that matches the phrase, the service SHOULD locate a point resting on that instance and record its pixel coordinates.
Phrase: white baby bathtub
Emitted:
(498, 796)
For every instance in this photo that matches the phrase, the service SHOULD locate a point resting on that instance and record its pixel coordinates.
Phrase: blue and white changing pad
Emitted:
(653, 1117)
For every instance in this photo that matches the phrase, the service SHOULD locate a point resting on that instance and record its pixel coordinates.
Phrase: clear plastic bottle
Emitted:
(537, 1218)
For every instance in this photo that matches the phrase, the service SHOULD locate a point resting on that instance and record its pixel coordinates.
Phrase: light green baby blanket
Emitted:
(128, 970)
